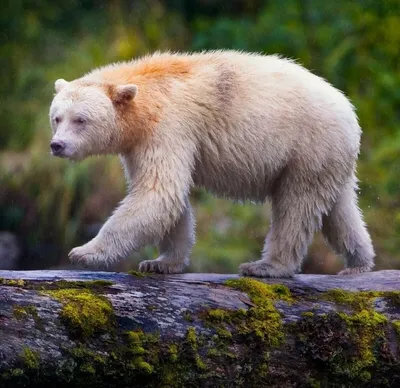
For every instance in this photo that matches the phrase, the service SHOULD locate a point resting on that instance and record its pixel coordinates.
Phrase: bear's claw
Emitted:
(354, 270)
(264, 269)
(162, 265)
(88, 256)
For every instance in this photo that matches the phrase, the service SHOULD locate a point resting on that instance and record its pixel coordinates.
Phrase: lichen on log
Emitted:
(78, 328)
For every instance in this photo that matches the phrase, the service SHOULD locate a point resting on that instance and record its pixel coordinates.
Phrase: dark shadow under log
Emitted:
(99, 329)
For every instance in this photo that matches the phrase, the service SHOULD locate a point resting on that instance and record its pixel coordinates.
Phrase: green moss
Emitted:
(139, 274)
(30, 358)
(84, 313)
(191, 338)
(144, 367)
(365, 327)
(217, 353)
(25, 312)
(21, 312)
(261, 321)
(173, 352)
(191, 347)
(396, 325)
(200, 364)
(225, 316)
(192, 341)
(224, 333)
(213, 352)
(258, 291)
(92, 285)
(83, 355)
(16, 372)
(219, 315)
(12, 282)
(136, 339)
(187, 316)
(88, 368)
(343, 346)
(257, 329)
(349, 344)
(393, 297)
(312, 383)
(141, 352)
(87, 362)
(360, 300)
(355, 300)
(333, 348)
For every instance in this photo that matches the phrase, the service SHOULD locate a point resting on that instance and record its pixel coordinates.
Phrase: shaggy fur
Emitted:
(245, 127)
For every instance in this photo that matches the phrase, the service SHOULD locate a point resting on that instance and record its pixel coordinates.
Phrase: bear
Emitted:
(244, 126)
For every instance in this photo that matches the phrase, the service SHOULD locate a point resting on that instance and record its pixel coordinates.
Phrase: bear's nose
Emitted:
(57, 146)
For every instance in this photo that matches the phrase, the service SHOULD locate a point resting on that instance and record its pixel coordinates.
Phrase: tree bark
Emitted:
(78, 328)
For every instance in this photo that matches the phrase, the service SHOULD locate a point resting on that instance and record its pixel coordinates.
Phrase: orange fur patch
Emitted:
(152, 75)
(147, 69)
(138, 117)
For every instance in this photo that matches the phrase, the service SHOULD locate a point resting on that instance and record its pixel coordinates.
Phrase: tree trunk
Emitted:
(99, 329)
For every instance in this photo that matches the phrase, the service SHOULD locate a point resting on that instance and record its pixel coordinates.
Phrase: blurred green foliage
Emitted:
(52, 203)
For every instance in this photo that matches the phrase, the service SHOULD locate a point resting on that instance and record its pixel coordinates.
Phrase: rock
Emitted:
(104, 329)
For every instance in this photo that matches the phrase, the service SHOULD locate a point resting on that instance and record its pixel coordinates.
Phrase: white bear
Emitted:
(244, 126)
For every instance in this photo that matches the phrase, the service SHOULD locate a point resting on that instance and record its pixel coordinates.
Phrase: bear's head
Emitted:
(85, 120)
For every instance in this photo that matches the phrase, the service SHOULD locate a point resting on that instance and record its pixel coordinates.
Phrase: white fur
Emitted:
(90, 104)
(128, 92)
(60, 84)
(244, 126)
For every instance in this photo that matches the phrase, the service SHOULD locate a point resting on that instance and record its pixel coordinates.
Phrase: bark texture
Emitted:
(100, 329)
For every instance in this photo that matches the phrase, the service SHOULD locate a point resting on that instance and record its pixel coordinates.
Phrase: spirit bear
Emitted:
(243, 126)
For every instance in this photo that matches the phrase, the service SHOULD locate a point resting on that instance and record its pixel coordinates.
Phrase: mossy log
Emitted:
(99, 329)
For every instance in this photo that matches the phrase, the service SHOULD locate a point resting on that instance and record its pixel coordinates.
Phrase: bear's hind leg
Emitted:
(346, 233)
(175, 247)
(296, 216)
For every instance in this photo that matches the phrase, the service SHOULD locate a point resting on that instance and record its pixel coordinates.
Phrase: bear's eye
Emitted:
(57, 120)
(80, 120)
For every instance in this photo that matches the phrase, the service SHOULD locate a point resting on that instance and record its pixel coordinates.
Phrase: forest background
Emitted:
(48, 205)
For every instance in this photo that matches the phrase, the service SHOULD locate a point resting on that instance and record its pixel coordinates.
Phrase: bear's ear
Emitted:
(60, 84)
(125, 93)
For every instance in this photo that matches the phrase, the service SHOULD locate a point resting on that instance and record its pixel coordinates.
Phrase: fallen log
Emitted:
(100, 329)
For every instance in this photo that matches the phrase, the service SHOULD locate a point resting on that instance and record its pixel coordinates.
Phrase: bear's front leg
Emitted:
(159, 188)
(92, 254)
(143, 218)
(175, 247)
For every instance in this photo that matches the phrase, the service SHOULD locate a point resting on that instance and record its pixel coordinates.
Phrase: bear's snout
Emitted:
(57, 147)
